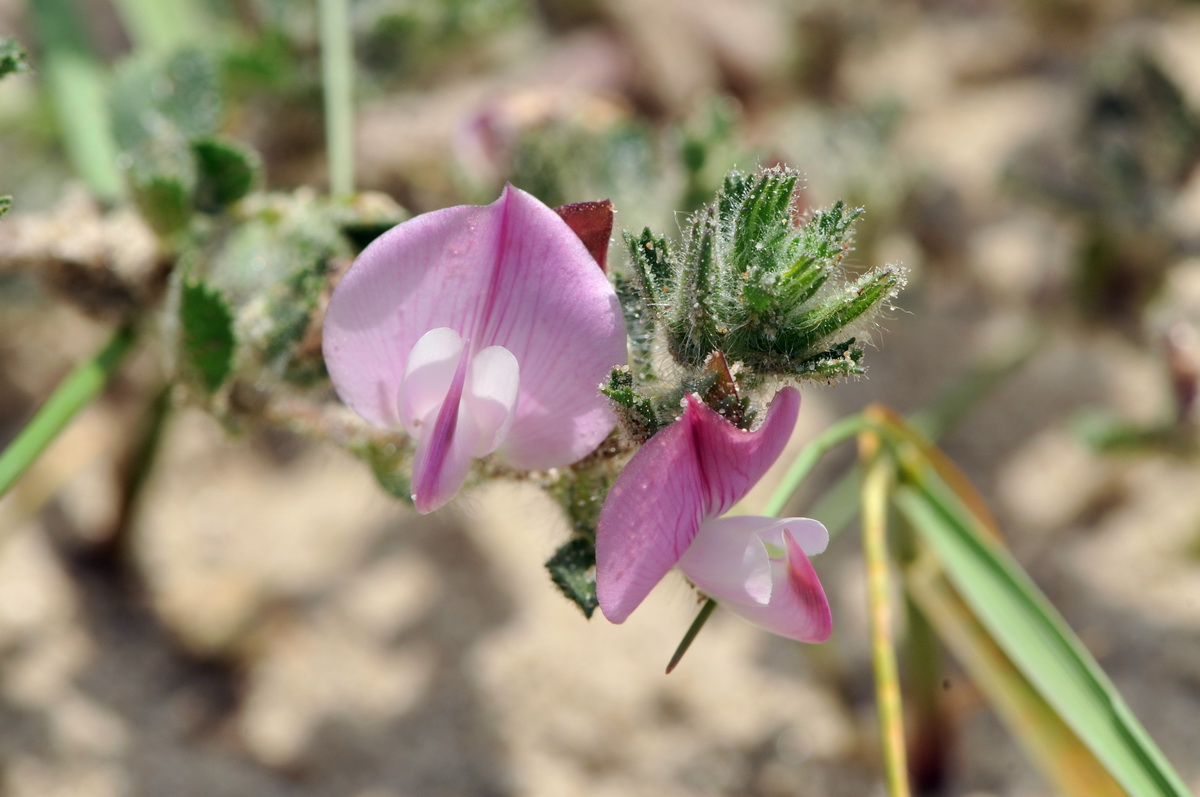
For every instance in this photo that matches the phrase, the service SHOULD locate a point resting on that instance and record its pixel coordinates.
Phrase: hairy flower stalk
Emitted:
(478, 331)
(665, 510)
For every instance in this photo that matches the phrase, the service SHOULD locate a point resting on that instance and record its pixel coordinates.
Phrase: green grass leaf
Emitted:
(1030, 631)
(1068, 763)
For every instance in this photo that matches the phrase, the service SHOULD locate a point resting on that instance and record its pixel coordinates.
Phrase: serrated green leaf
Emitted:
(225, 172)
(164, 200)
(572, 571)
(208, 336)
(13, 58)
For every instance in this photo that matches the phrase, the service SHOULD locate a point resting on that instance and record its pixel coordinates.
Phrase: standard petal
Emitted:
(428, 375)
(732, 460)
(511, 274)
(696, 468)
(491, 396)
(728, 560)
(445, 448)
(798, 608)
(431, 271)
(554, 309)
(649, 519)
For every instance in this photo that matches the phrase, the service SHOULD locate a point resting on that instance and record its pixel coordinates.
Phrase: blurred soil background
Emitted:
(264, 620)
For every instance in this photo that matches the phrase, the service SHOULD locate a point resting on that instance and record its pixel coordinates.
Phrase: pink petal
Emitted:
(445, 448)
(491, 396)
(727, 559)
(697, 467)
(557, 313)
(510, 274)
(798, 608)
(429, 272)
(648, 520)
(428, 375)
(733, 460)
(811, 535)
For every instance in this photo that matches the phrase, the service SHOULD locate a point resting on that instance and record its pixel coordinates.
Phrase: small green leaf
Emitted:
(5, 204)
(225, 172)
(572, 571)
(164, 201)
(13, 58)
(389, 463)
(208, 338)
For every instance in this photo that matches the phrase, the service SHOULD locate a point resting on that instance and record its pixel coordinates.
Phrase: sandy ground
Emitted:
(284, 628)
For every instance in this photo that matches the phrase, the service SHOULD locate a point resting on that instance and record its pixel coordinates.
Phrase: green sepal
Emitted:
(572, 569)
(208, 336)
(636, 412)
(651, 260)
(841, 359)
(866, 293)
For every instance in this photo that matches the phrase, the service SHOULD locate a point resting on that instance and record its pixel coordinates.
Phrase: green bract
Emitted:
(760, 284)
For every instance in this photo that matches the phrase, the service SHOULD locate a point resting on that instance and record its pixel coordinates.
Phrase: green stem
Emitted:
(337, 75)
(876, 485)
(75, 392)
(705, 612)
(75, 82)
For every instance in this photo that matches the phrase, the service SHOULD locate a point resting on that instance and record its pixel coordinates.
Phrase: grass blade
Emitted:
(77, 87)
(1048, 741)
(876, 484)
(1031, 632)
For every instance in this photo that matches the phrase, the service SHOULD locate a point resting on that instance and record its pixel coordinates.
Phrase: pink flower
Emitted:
(665, 510)
(478, 330)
